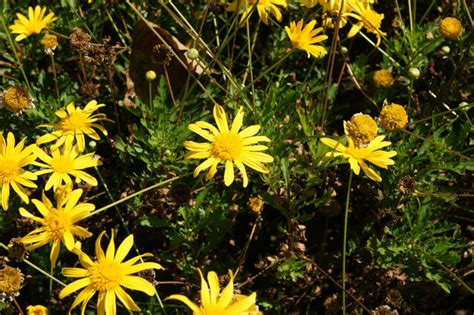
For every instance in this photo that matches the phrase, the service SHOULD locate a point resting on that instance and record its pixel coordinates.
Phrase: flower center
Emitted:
(61, 164)
(371, 20)
(56, 224)
(362, 129)
(16, 99)
(227, 146)
(10, 280)
(74, 122)
(8, 170)
(106, 275)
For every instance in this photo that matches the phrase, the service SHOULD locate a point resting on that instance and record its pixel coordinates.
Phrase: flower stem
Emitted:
(346, 219)
(273, 66)
(10, 40)
(55, 78)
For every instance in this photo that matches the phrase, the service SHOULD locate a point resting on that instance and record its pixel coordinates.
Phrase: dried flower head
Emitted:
(383, 78)
(79, 39)
(161, 55)
(256, 205)
(36, 310)
(450, 28)
(407, 185)
(11, 280)
(17, 99)
(16, 249)
(361, 129)
(393, 116)
(49, 42)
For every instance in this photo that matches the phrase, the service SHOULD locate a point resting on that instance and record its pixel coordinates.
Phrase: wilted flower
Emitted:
(50, 42)
(16, 99)
(11, 280)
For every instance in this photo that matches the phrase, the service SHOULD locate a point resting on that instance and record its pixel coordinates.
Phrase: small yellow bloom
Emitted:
(450, 28)
(393, 116)
(305, 38)
(34, 24)
(12, 160)
(58, 224)
(358, 155)
(64, 164)
(107, 274)
(215, 302)
(74, 123)
(361, 129)
(36, 310)
(11, 280)
(309, 3)
(49, 42)
(383, 78)
(150, 75)
(368, 18)
(263, 6)
(16, 99)
(228, 146)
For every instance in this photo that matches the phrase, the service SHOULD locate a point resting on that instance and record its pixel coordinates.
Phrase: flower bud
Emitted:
(150, 75)
(414, 73)
(192, 53)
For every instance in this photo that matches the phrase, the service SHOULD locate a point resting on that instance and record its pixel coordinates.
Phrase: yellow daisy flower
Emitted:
(215, 302)
(305, 38)
(64, 164)
(73, 123)
(12, 160)
(368, 18)
(358, 155)
(34, 24)
(263, 6)
(58, 224)
(36, 310)
(309, 3)
(107, 275)
(228, 146)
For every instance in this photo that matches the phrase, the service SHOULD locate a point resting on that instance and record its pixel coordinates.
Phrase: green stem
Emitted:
(344, 245)
(113, 204)
(150, 99)
(55, 78)
(10, 40)
(273, 66)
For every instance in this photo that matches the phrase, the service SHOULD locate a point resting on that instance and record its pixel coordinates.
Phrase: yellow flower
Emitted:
(228, 146)
(16, 99)
(256, 204)
(305, 38)
(107, 275)
(64, 164)
(331, 10)
(393, 116)
(11, 280)
(450, 28)
(358, 155)
(12, 160)
(368, 18)
(36, 310)
(263, 6)
(34, 24)
(58, 223)
(73, 123)
(215, 302)
(49, 42)
(361, 129)
(383, 78)
(309, 3)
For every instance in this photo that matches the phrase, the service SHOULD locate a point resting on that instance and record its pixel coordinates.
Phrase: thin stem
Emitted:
(150, 99)
(344, 245)
(113, 204)
(273, 66)
(18, 306)
(410, 14)
(379, 49)
(55, 78)
(13, 48)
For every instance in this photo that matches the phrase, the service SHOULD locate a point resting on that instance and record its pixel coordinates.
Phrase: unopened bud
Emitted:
(446, 49)
(414, 73)
(150, 75)
(192, 53)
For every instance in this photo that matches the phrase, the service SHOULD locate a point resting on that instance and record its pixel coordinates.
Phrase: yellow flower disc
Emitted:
(450, 28)
(383, 78)
(36, 310)
(10, 280)
(17, 99)
(361, 129)
(393, 117)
